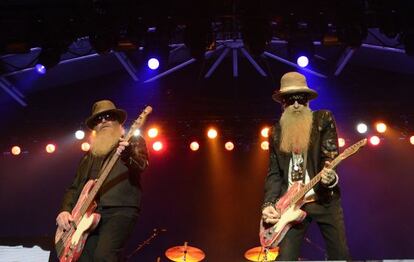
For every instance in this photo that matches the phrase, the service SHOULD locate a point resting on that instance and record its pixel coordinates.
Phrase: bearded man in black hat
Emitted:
(301, 145)
(119, 197)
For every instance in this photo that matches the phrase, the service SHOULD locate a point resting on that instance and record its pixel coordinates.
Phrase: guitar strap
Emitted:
(305, 160)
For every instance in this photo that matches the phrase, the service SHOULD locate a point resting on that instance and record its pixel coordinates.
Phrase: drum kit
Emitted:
(188, 253)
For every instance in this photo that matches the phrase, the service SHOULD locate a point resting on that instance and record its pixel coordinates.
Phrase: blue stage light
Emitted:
(41, 69)
(153, 63)
(302, 61)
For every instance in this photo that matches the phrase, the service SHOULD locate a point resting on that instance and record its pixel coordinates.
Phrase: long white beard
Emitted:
(295, 130)
(105, 140)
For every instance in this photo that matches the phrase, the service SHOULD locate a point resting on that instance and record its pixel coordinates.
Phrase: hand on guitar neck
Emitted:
(64, 219)
(328, 175)
(270, 215)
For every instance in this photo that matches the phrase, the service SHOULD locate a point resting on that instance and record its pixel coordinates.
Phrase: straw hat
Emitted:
(103, 107)
(292, 83)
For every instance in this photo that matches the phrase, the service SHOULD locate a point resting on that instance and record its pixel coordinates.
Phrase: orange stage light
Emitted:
(264, 145)
(265, 132)
(212, 133)
(229, 146)
(341, 142)
(412, 140)
(153, 132)
(194, 146)
(50, 148)
(16, 150)
(85, 146)
(381, 127)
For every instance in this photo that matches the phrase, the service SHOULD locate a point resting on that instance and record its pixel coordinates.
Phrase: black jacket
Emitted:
(323, 147)
(121, 187)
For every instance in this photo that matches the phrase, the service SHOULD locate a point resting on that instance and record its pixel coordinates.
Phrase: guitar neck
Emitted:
(99, 182)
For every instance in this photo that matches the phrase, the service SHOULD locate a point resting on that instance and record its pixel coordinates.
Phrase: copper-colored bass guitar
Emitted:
(290, 203)
(69, 243)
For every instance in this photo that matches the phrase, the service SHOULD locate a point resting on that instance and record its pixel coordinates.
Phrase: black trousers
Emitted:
(107, 241)
(329, 218)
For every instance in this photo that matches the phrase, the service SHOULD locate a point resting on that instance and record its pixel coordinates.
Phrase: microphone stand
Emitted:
(155, 233)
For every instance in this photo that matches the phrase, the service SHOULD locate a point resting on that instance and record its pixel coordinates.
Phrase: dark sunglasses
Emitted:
(106, 117)
(302, 99)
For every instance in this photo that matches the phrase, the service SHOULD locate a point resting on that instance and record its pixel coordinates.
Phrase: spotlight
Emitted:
(229, 146)
(194, 146)
(302, 61)
(137, 133)
(264, 145)
(212, 133)
(85, 146)
(153, 63)
(412, 140)
(381, 127)
(264, 132)
(50, 148)
(16, 150)
(374, 140)
(153, 132)
(341, 142)
(41, 69)
(157, 146)
(48, 57)
(79, 134)
(362, 128)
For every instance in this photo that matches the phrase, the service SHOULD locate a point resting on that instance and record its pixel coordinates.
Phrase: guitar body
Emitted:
(69, 244)
(271, 235)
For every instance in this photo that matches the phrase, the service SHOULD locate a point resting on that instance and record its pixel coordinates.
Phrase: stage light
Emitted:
(302, 61)
(374, 140)
(16, 150)
(137, 132)
(341, 142)
(381, 127)
(362, 128)
(194, 146)
(153, 63)
(229, 146)
(41, 69)
(264, 145)
(153, 132)
(85, 146)
(412, 140)
(50, 148)
(48, 57)
(264, 132)
(212, 133)
(79, 135)
(157, 146)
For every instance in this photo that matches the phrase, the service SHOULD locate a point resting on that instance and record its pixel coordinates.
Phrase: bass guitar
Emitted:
(69, 243)
(290, 203)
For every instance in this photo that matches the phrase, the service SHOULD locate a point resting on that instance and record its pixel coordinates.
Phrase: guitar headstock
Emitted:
(139, 121)
(354, 148)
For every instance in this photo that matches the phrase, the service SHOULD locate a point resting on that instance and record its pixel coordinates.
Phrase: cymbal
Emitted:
(258, 254)
(185, 253)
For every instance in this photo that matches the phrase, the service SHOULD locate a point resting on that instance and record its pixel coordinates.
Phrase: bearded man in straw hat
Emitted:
(120, 195)
(301, 145)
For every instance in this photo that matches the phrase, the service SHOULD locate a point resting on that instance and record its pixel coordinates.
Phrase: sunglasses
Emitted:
(106, 117)
(302, 99)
